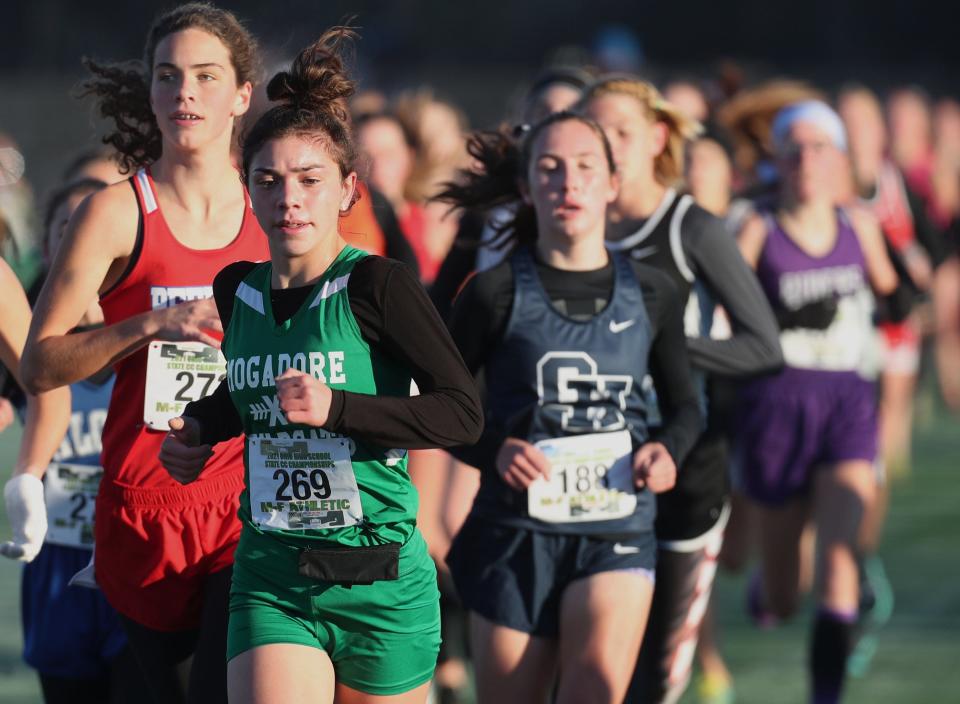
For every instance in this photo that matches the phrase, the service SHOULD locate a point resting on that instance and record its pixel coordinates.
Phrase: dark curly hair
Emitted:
(122, 90)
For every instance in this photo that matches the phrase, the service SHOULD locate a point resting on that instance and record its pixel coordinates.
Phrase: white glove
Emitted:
(27, 514)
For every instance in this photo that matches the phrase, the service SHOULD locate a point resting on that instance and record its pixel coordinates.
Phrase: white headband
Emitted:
(814, 112)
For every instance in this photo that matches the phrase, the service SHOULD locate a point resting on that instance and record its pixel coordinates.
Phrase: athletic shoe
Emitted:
(858, 664)
(714, 689)
(876, 608)
(882, 591)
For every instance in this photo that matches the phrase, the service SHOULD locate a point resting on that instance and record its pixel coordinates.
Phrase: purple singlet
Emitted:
(820, 409)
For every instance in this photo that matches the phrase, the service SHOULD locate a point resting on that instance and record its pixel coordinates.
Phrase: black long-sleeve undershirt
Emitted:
(482, 310)
(754, 347)
(393, 312)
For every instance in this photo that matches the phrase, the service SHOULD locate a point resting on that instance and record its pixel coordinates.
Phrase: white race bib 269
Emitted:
(302, 484)
(178, 373)
(591, 479)
(70, 492)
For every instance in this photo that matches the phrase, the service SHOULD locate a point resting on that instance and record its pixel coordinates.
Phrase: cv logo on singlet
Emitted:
(581, 399)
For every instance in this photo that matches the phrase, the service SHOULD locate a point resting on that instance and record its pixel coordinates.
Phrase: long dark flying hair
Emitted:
(311, 99)
(122, 90)
(502, 161)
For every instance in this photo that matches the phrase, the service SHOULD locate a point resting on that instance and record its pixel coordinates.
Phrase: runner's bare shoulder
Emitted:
(106, 222)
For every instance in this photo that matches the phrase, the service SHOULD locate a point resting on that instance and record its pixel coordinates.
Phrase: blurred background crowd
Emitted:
(431, 71)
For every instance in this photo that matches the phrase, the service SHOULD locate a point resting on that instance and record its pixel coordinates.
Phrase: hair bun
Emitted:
(280, 89)
(317, 79)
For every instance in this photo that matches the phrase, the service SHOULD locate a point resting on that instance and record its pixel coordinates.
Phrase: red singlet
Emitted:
(156, 540)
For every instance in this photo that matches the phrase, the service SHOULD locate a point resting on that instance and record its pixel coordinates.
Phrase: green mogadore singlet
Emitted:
(304, 483)
(307, 487)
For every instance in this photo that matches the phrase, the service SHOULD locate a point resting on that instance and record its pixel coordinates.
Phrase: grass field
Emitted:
(918, 660)
(919, 656)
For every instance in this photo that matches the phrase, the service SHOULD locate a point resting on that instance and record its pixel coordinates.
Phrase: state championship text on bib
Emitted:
(302, 484)
(70, 493)
(178, 373)
(591, 479)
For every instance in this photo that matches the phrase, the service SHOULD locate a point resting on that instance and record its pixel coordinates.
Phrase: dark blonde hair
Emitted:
(429, 166)
(669, 164)
(122, 90)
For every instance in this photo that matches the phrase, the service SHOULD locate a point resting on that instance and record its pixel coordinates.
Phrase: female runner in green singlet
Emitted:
(334, 595)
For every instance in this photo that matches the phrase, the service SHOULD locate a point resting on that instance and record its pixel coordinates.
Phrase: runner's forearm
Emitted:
(47, 418)
(59, 360)
(394, 311)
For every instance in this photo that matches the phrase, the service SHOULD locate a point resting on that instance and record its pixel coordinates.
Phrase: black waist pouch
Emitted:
(351, 565)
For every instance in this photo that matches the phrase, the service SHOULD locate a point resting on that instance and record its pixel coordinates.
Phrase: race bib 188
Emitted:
(70, 492)
(178, 373)
(591, 479)
(302, 484)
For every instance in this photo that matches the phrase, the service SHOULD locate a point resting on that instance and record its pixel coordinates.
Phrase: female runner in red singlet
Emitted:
(151, 246)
